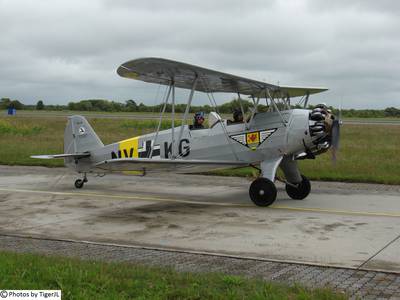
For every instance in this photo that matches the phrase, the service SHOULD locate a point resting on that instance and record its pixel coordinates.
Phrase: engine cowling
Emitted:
(321, 121)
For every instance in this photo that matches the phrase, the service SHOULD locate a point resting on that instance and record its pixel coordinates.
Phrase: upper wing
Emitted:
(164, 71)
(179, 165)
(298, 91)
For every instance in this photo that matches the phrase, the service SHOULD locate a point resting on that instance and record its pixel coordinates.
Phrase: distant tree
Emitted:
(4, 103)
(16, 104)
(226, 108)
(142, 107)
(39, 105)
(72, 106)
(131, 105)
(392, 112)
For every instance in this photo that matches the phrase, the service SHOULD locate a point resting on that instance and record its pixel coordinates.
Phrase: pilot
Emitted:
(237, 117)
(198, 121)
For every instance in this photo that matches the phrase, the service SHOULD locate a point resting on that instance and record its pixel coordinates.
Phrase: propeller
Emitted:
(335, 135)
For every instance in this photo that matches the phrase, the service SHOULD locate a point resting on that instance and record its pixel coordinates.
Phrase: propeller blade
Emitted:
(335, 138)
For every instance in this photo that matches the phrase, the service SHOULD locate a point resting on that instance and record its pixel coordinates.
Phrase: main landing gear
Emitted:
(263, 191)
(80, 182)
(299, 191)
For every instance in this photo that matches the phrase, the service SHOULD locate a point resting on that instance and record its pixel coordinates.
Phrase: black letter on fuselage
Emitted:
(130, 153)
(167, 149)
(184, 150)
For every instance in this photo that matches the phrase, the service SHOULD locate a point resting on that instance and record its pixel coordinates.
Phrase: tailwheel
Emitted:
(262, 192)
(79, 183)
(299, 191)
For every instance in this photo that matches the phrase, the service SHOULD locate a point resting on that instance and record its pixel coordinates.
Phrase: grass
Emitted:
(369, 153)
(100, 280)
(144, 125)
(23, 130)
(15, 148)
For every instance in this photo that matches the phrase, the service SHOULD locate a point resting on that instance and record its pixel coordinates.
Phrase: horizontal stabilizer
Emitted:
(55, 156)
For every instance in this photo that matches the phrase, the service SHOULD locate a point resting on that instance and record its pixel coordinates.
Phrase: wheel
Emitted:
(79, 183)
(301, 191)
(262, 192)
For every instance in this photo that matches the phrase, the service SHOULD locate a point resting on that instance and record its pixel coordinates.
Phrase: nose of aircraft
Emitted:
(324, 129)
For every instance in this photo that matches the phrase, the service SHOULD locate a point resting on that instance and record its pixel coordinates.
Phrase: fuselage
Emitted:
(268, 136)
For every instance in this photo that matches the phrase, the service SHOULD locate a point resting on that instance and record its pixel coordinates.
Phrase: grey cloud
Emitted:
(205, 6)
(386, 6)
(64, 50)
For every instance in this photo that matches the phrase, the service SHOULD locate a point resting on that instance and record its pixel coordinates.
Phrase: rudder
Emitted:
(79, 136)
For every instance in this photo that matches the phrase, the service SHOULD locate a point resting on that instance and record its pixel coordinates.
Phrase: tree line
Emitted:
(132, 106)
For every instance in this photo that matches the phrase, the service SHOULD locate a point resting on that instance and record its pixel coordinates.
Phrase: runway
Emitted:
(344, 225)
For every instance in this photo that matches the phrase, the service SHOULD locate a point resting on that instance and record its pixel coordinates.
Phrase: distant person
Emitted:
(237, 117)
(198, 121)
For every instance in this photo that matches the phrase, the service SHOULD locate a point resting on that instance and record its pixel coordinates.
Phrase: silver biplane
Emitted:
(264, 140)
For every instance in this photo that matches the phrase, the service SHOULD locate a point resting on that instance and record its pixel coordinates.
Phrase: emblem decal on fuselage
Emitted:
(253, 139)
(81, 130)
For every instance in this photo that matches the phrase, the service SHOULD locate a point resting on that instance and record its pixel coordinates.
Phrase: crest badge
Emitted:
(253, 139)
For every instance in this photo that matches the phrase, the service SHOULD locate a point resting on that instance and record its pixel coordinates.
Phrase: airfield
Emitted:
(344, 235)
(347, 225)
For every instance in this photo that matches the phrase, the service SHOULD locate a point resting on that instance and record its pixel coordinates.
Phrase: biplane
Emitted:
(278, 137)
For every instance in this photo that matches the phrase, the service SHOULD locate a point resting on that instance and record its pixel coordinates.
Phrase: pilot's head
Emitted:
(199, 117)
(237, 115)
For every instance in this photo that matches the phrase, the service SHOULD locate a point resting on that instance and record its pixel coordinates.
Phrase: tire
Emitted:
(262, 192)
(301, 191)
(79, 183)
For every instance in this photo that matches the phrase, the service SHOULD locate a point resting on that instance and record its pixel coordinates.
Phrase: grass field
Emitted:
(98, 280)
(369, 153)
(154, 115)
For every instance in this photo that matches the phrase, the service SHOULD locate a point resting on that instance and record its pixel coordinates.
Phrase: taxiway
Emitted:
(339, 224)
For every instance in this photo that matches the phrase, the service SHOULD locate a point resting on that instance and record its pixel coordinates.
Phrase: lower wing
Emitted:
(178, 165)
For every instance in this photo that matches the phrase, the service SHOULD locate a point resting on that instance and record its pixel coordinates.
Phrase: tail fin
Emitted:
(79, 136)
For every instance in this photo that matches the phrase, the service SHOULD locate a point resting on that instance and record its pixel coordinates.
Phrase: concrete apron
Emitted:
(346, 225)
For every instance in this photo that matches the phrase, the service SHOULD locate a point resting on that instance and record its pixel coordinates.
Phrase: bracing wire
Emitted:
(214, 104)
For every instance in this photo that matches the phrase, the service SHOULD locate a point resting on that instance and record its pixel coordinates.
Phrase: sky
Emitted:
(67, 50)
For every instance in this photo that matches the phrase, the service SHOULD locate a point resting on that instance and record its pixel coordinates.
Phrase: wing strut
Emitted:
(241, 108)
(189, 103)
(253, 113)
(214, 104)
(173, 120)
(267, 93)
(306, 100)
(159, 122)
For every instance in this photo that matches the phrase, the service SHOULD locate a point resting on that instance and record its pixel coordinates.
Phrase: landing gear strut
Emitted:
(299, 191)
(80, 182)
(262, 192)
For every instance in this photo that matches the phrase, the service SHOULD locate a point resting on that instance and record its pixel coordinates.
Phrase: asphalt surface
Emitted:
(347, 226)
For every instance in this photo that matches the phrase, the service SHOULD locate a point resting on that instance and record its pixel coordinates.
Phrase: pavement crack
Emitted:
(378, 252)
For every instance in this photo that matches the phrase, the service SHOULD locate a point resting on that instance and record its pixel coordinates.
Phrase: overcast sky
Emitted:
(67, 50)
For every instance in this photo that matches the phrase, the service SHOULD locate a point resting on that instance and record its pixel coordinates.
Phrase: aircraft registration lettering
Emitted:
(130, 149)
(127, 149)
